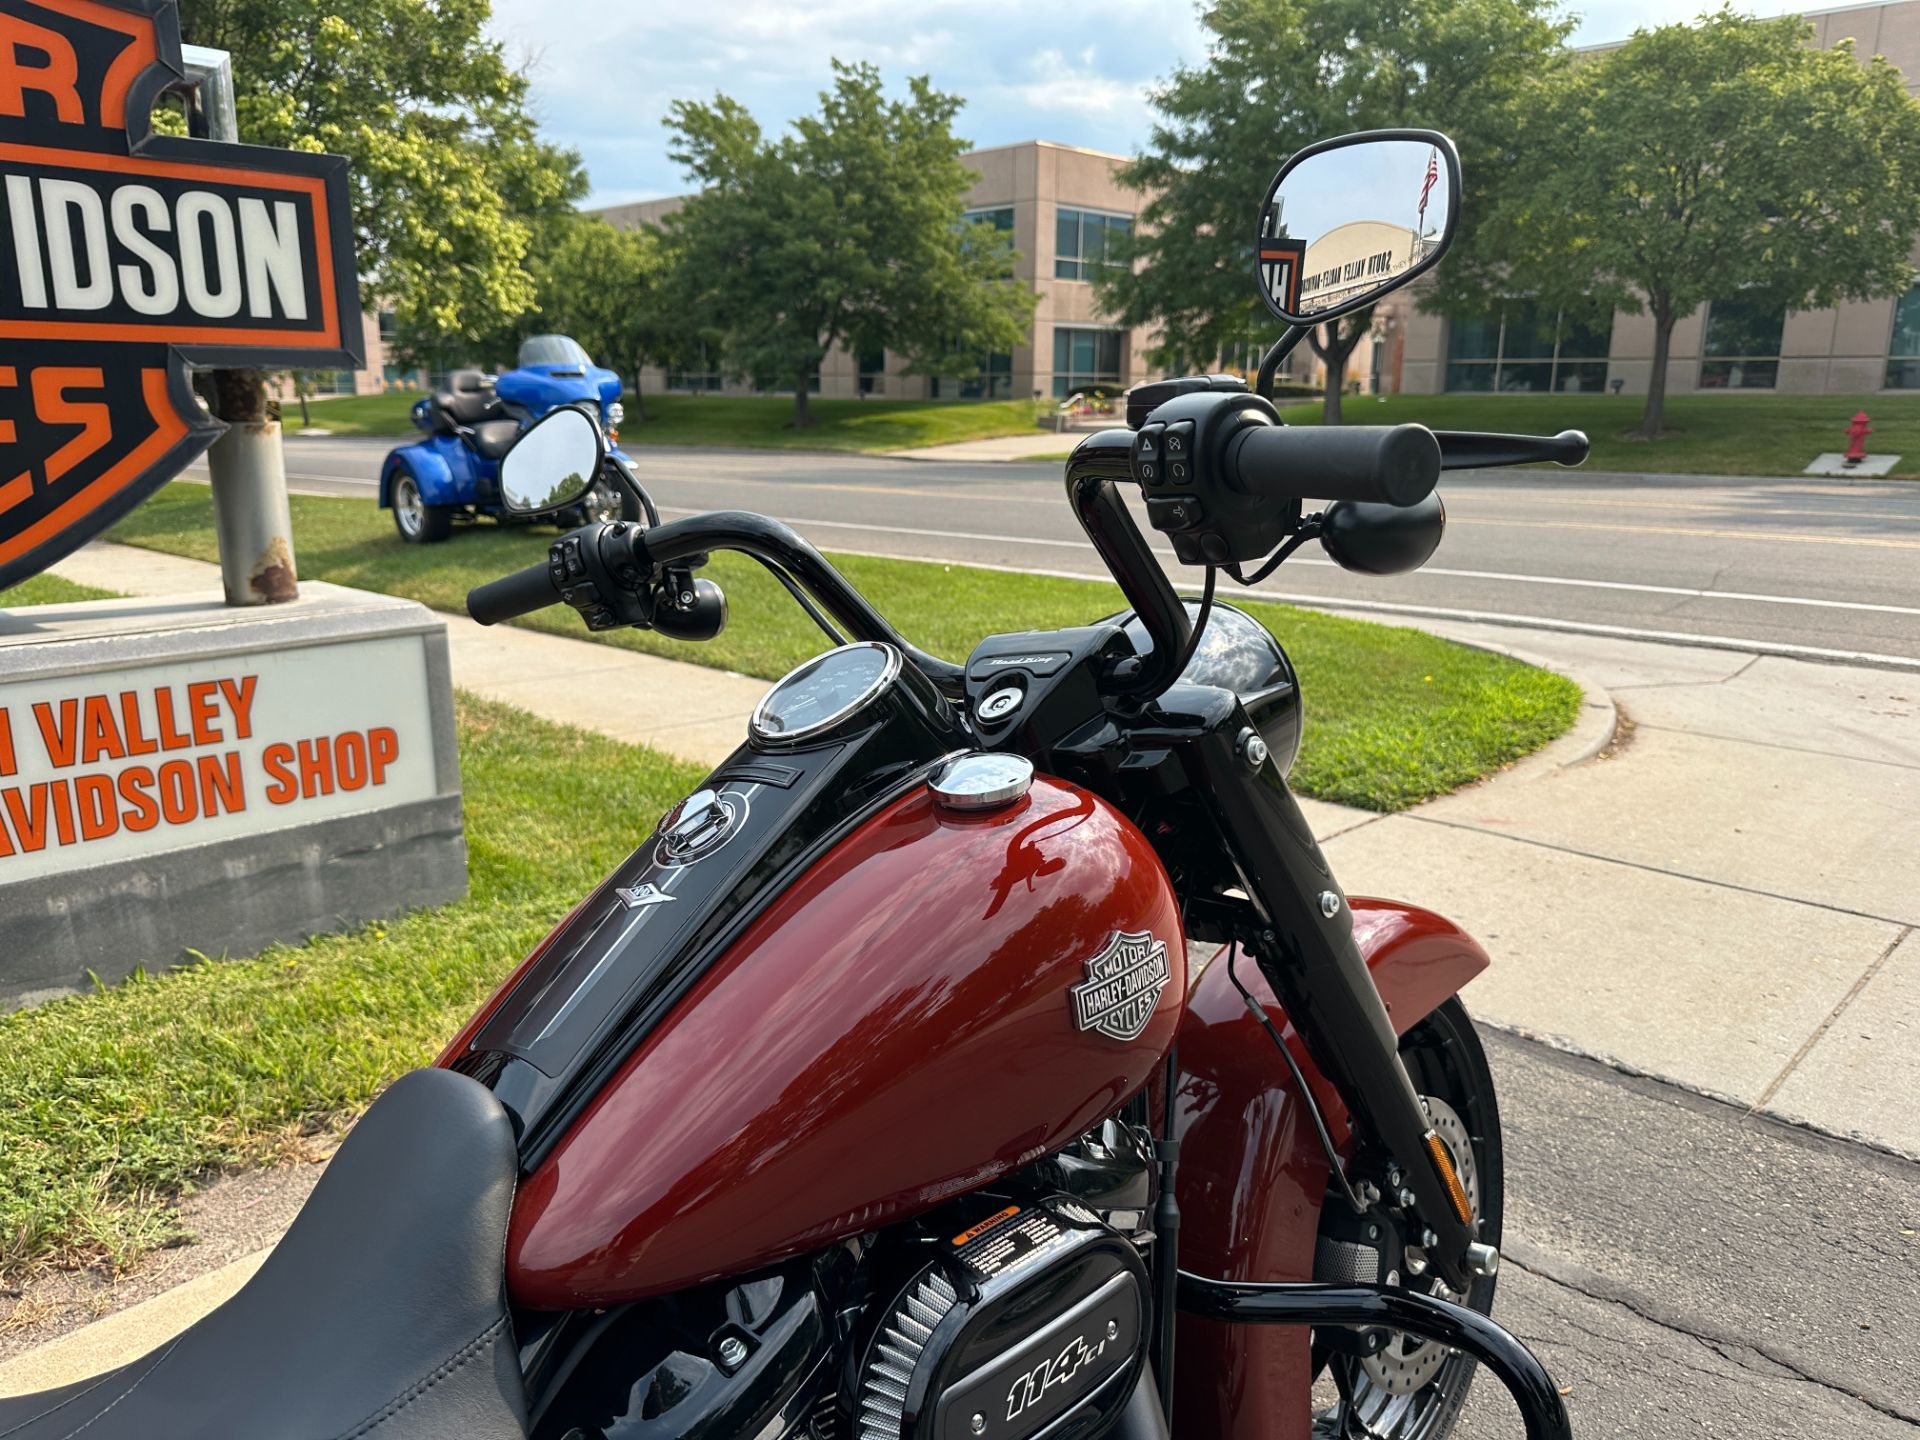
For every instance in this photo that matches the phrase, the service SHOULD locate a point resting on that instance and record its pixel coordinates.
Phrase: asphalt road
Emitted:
(1829, 569)
(1687, 1269)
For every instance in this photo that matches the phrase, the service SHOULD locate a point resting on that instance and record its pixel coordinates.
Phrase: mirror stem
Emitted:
(1270, 362)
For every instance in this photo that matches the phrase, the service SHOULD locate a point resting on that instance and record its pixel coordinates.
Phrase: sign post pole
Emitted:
(246, 464)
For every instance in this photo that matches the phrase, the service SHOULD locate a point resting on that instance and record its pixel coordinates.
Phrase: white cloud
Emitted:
(603, 79)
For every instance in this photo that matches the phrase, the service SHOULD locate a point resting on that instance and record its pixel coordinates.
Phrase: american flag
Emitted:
(1433, 175)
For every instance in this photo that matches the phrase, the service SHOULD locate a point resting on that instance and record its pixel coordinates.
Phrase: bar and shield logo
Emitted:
(125, 256)
(1123, 985)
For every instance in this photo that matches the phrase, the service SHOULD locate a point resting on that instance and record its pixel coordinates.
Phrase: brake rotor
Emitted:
(1406, 1364)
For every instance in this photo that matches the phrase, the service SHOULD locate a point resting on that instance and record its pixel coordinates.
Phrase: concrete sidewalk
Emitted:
(1727, 898)
(1004, 447)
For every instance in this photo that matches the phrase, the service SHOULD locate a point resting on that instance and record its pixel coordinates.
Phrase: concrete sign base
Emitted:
(1834, 463)
(176, 775)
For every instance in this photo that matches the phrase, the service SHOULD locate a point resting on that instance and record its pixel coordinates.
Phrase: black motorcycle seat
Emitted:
(468, 398)
(381, 1313)
(493, 438)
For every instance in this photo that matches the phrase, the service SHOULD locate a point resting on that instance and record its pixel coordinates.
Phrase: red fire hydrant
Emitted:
(1857, 431)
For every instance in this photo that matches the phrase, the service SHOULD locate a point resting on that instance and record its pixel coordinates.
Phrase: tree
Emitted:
(447, 174)
(1281, 74)
(1705, 162)
(602, 286)
(847, 231)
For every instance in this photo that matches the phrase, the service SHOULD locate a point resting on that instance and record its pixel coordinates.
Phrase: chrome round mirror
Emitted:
(1348, 220)
(551, 466)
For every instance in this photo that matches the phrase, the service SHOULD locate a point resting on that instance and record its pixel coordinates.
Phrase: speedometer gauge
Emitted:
(825, 691)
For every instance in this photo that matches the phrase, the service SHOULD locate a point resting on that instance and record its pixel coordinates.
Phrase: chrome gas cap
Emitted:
(701, 823)
(977, 781)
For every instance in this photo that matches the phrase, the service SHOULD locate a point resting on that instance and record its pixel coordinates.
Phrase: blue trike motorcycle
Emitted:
(454, 473)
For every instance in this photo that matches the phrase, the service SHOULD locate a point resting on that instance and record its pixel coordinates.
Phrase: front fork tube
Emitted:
(1309, 956)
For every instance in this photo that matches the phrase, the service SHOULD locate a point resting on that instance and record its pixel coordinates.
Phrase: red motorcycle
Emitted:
(983, 1050)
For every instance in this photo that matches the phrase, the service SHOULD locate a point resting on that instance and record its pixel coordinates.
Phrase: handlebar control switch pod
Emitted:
(1224, 479)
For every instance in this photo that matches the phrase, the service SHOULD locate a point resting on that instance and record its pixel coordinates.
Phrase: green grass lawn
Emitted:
(1393, 716)
(1750, 434)
(726, 420)
(384, 414)
(111, 1103)
(50, 590)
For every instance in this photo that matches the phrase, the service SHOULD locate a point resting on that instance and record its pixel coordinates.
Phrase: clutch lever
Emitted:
(1483, 450)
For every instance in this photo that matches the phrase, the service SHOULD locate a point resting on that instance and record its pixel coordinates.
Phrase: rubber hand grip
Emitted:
(1382, 464)
(521, 593)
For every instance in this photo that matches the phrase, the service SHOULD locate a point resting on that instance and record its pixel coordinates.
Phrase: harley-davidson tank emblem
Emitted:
(1123, 985)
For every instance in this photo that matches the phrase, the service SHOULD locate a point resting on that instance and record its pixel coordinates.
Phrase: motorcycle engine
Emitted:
(1031, 1323)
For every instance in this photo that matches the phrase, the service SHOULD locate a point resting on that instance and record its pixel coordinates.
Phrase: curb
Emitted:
(1593, 730)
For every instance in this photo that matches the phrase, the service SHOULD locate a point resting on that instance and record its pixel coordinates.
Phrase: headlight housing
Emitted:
(616, 412)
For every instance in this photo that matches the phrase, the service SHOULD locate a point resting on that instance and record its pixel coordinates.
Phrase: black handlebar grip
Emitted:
(1384, 464)
(521, 593)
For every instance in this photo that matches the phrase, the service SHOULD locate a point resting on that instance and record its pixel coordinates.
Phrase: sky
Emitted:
(603, 79)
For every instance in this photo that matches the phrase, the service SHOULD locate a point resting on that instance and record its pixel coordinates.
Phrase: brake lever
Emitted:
(1483, 450)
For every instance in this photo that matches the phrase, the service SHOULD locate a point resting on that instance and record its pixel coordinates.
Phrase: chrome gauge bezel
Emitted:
(890, 672)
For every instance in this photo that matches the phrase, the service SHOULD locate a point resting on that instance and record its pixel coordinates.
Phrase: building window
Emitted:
(1520, 350)
(992, 381)
(1083, 242)
(1903, 355)
(1000, 217)
(389, 326)
(1085, 360)
(1742, 349)
(872, 365)
(699, 376)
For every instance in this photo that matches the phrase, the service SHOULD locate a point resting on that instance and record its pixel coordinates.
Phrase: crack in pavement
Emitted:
(1525, 1256)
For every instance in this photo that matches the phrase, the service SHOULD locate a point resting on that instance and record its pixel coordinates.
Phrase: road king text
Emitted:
(161, 756)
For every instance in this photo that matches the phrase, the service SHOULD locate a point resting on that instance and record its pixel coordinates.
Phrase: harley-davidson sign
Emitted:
(1123, 985)
(125, 256)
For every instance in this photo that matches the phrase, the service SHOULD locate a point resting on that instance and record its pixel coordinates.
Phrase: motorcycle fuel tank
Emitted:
(937, 1001)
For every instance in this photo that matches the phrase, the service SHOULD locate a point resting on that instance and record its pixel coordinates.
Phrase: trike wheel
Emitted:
(418, 522)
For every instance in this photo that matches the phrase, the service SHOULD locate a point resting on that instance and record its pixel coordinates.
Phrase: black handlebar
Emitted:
(521, 593)
(1382, 464)
(1476, 450)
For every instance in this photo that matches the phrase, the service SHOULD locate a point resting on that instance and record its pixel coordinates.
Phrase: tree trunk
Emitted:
(305, 418)
(639, 400)
(1336, 386)
(1653, 419)
(1334, 351)
(802, 415)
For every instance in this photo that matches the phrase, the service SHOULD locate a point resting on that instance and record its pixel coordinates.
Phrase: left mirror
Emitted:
(1348, 220)
(551, 466)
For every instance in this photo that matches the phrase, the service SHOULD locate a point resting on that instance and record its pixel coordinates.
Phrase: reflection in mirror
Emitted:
(552, 465)
(1348, 224)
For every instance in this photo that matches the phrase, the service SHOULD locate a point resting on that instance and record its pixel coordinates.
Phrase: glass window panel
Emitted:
(1906, 325)
(1469, 376)
(1903, 375)
(1473, 340)
(1535, 377)
(1527, 338)
(1062, 350)
(1000, 217)
(1738, 374)
(1586, 377)
(1584, 342)
(1738, 327)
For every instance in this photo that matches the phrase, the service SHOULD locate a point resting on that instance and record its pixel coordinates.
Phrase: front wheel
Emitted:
(418, 522)
(1413, 1389)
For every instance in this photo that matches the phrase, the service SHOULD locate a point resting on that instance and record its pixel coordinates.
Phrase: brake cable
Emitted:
(1334, 1162)
(1309, 530)
(1199, 624)
(802, 599)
